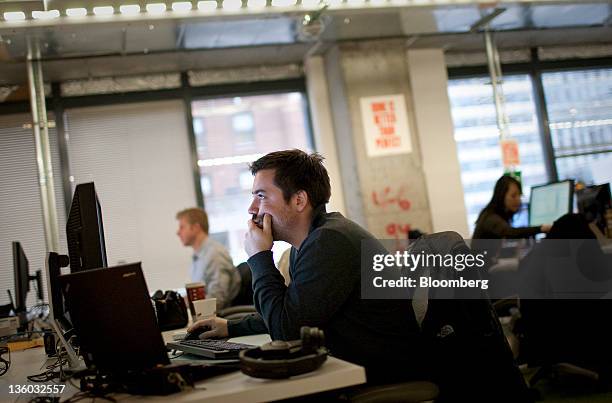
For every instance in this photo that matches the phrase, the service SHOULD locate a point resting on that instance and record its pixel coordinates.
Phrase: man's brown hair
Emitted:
(195, 215)
(294, 170)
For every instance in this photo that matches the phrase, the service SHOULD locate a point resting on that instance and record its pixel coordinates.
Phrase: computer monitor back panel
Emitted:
(549, 202)
(85, 230)
(593, 202)
(114, 319)
(57, 307)
(21, 273)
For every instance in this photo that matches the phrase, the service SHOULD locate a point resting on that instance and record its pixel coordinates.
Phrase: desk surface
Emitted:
(228, 388)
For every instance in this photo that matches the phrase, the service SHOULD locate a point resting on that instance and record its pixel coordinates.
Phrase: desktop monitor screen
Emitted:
(22, 279)
(593, 202)
(84, 230)
(549, 202)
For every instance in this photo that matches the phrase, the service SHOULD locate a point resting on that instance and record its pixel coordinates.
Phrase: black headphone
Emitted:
(282, 359)
(4, 363)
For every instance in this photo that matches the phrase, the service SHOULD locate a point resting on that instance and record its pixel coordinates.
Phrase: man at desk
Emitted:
(290, 191)
(211, 264)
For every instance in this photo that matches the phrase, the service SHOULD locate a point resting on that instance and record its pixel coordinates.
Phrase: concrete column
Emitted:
(343, 129)
(389, 192)
(323, 128)
(428, 80)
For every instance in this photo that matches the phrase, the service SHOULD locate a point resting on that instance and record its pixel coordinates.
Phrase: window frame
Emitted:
(535, 68)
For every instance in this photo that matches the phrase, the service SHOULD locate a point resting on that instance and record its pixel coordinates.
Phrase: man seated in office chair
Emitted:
(211, 263)
(290, 191)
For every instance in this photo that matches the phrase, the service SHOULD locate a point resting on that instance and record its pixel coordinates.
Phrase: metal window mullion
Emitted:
(543, 119)
(187, 101)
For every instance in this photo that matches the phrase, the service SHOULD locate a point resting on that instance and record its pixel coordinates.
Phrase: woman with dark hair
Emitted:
(494, 220)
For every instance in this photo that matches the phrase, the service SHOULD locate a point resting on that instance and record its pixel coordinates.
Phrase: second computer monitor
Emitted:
(593, 202)
(84, 230)
(549, 202)
(22, 280)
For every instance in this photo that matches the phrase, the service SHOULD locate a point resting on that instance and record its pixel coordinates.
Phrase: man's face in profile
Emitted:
(187, 232)
(268, 199)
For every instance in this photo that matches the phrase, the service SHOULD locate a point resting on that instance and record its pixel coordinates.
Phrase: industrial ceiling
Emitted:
(253, 33)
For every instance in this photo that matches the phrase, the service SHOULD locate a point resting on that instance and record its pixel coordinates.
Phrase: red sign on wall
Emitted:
(510, 153)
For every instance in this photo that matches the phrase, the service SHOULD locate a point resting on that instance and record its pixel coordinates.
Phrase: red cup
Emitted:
(195, 291)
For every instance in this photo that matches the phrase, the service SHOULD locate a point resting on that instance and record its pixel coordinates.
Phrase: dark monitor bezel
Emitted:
(85, 230)
(21, 271)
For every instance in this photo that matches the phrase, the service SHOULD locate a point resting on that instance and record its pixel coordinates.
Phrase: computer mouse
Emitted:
(195, 334)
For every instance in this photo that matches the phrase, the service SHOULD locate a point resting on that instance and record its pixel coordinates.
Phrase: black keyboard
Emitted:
(210, 348)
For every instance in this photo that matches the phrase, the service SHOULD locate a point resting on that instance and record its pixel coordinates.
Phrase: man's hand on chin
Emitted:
(258, 239)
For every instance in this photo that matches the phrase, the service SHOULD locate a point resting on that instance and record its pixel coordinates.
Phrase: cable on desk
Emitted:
(174, 354)
(45, 399)
(4, 363)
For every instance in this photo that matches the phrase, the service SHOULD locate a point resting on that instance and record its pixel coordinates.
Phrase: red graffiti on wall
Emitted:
(399, 232)
(397, 229)
(389, 197)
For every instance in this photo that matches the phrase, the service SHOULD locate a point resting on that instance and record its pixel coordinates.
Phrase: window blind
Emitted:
(138, 156)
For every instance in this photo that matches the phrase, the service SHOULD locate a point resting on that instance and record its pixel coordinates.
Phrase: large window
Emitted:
(580, 112)
(477, 136)
(238, 131)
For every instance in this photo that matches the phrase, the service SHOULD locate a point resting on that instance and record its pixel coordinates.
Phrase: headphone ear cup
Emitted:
(310, 355)
(305, 336)
(312, 338)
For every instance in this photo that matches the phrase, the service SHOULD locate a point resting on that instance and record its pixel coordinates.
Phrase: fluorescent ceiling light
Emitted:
(14, 16)
(104, 10)
(129, 9)
(76, 12)
(256, 3)
(156, 8)
(240, 159)
(311, 3)
(207, 5)
(45, 15)
(181, 6)
(232, 4)
(283, 3)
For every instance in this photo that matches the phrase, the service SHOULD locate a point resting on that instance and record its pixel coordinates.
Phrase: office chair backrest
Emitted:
(468, 347)
(245, 295)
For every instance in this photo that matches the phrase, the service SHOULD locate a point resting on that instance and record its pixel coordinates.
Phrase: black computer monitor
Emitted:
(113, 317)
(593, 201)
(84, 230)
(548, 203)
(21, 269)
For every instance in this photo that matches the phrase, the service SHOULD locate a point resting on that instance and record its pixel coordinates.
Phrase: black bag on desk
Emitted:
(171, 310)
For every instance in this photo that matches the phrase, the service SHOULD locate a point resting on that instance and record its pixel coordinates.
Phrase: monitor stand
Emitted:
(54, 264)
(75, 364)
